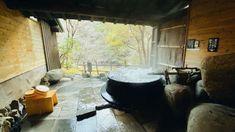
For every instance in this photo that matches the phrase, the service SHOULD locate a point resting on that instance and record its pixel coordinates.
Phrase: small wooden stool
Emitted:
(38, 104)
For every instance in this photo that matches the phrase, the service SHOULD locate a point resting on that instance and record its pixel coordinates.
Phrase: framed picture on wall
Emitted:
(213, 44)
(190, 43)
(196, 44)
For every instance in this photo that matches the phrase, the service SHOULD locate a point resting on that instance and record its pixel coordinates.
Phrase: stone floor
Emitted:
(76, 96)
(79, 96)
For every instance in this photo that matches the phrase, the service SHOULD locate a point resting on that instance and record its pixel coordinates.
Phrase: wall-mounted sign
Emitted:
(196, 44)
(190, 43)
(193, 44)
(213, 44)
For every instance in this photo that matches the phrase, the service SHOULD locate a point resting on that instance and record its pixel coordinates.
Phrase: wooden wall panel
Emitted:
(21, 45)
(170, 43)
(210, 19)
(50, 47)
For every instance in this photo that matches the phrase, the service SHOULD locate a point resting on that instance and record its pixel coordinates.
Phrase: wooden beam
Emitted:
(169, 46)
(164, 64)
(142, 11)
(173, 27)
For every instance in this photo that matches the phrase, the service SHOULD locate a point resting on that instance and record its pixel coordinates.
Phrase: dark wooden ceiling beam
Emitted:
(124, 10)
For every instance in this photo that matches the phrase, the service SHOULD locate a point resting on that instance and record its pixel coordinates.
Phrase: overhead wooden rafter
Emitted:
(147, 12)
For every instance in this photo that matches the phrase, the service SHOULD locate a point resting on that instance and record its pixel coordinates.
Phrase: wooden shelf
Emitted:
(196, 49)
(169, 46)
(173, 27)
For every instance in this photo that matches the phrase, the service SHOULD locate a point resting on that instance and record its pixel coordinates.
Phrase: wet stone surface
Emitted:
(107, 121)
(75, 97)
(82, 95)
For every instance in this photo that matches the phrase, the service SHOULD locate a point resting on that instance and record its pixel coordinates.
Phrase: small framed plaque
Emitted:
(197, 44)
(190, 43)
(213, 44)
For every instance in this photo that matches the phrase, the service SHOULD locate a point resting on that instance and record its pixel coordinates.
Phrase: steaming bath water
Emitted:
(133, 88)
(133, 75)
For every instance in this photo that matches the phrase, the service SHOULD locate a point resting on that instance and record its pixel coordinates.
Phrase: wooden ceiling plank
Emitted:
(140, 10)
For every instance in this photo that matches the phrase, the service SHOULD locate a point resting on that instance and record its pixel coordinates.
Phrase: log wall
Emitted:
(21, 45)
(211, 19)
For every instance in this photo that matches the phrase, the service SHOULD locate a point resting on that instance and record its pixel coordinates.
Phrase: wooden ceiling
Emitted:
(144, 12)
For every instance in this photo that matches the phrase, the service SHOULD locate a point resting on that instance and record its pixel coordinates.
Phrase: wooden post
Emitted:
(111, 67)
(84, 66)
(89, 67)
(97, 70)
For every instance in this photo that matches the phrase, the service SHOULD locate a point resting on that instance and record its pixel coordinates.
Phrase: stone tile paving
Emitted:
(78, 96)
(74, 96)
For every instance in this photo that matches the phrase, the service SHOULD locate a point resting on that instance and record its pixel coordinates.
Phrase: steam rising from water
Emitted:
(133, 75)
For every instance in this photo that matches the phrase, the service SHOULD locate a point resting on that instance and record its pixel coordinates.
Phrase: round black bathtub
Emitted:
(133, 88)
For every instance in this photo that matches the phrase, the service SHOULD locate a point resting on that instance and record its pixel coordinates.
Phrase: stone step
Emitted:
(87, 125)
(107, 121)
(85, 113)
(50, 125)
